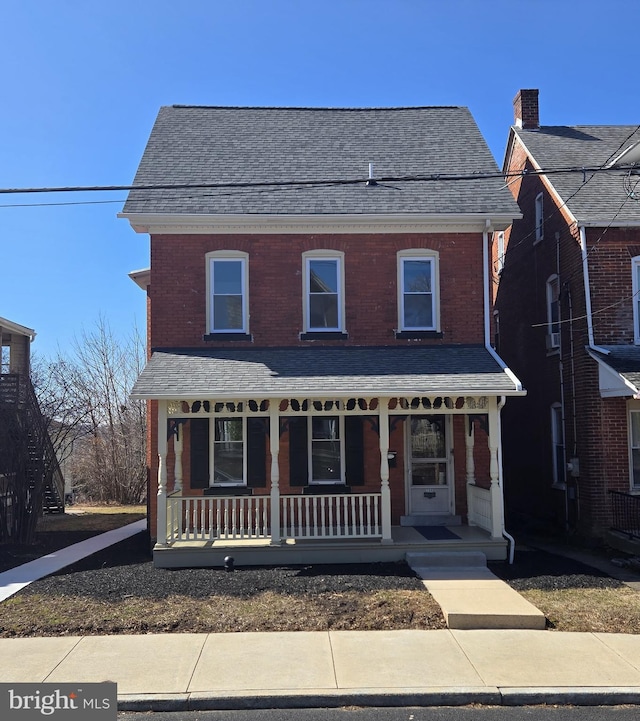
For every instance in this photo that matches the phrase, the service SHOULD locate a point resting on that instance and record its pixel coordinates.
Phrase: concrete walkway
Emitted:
(179, 672)
(15, 579)
(470, 595)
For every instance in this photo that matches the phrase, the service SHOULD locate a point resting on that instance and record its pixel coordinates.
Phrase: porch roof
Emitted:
(321, 372)
(619, 370)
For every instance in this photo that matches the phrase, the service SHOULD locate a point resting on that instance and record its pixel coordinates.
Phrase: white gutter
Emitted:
(587, 291)
(487, 324)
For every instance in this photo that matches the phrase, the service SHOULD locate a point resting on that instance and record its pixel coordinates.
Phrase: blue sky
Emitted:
(83, 81)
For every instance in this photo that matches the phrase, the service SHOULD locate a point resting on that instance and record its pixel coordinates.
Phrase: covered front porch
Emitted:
(330, 474)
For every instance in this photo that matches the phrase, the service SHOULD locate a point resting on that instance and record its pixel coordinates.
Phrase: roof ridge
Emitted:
(302, 107)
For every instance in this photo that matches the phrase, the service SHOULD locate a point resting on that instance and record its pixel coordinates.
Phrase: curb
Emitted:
(441, 696)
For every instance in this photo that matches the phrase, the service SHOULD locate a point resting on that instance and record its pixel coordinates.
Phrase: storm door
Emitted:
(428, 474)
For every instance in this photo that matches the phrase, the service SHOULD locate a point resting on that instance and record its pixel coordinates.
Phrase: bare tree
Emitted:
(96, 427)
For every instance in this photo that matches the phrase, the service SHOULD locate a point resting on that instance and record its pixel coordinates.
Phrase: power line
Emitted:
(433, 177)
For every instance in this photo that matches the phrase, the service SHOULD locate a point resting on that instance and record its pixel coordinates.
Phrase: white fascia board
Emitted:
(546, 181)
(612, 384)
(141, 278)
(16, 328)
(603, 223)
(333, 394)
(160, 223)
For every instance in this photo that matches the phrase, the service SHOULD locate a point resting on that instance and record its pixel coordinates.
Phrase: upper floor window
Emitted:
(227, 292)
(539, 218)
(499, 251)
(418, 290)
(323, 291)
(636, 297)
(553, 312)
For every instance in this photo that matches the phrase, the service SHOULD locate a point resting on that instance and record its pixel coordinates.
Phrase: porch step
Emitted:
(470, 596)
(442, 519)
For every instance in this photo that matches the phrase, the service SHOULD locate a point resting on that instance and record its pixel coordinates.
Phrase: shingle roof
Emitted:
(602, 198)
(191, 144)
(624, 360)
(321, 371)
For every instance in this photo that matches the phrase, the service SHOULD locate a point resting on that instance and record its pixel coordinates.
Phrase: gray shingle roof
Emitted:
(625, 360)
(191, 144)
(601, 198)
(321, 371)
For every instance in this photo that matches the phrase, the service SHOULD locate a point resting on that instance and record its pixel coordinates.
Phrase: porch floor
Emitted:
(260, 552)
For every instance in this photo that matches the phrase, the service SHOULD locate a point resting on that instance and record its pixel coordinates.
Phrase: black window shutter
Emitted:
(257, 429)
(298, 456)
(354, 450)
(199, 433)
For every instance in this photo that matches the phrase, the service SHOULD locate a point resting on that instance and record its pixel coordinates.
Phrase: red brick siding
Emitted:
(178, 286)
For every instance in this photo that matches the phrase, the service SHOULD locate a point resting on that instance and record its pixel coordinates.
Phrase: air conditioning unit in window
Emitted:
(553, 341)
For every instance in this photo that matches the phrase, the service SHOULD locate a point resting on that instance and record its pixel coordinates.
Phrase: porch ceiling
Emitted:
(323, 372)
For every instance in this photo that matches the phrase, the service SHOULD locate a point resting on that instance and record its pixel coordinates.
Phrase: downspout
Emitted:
(487, 342)
(561, 373)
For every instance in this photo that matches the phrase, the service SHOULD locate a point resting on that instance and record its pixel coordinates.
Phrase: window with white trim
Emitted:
(539, 218)
(326, 451)
(229, 457)
(553, 313)
(499, 251)
(634, 450)
(323, 292)
(418, 305)
(635, 284)
(557, 444)
(227, 290)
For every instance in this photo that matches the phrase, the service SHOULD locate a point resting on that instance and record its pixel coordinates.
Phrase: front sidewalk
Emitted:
(337, 668)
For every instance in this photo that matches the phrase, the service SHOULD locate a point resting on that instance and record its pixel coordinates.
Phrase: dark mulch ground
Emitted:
(534, 569)
(126, 569)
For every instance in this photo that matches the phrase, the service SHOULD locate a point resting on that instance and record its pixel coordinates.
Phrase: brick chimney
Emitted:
(525, 109)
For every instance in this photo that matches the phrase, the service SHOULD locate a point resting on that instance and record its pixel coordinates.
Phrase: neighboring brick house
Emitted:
(320, 379)
(566, 284)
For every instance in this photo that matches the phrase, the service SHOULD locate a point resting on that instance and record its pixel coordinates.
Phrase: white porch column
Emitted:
(177, 470)
(161, 507)
(385, 491)
(274, 447)
(497, 499)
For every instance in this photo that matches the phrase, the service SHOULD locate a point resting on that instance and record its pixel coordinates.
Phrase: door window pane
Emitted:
(427, 438)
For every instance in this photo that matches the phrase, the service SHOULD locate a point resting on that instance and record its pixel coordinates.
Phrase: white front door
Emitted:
(427, 467)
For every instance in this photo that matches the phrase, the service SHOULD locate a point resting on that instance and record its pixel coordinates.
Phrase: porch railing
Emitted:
(331, 516)
(625, 513)
(211, 518)
(479, 506)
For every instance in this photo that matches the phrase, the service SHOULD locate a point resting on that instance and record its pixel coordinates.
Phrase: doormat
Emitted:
(436, 533)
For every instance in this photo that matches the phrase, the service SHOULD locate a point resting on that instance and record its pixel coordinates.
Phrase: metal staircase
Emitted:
(30, 477)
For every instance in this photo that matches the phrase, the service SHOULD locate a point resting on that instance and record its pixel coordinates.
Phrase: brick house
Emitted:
(566, 281)
(320, 378)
